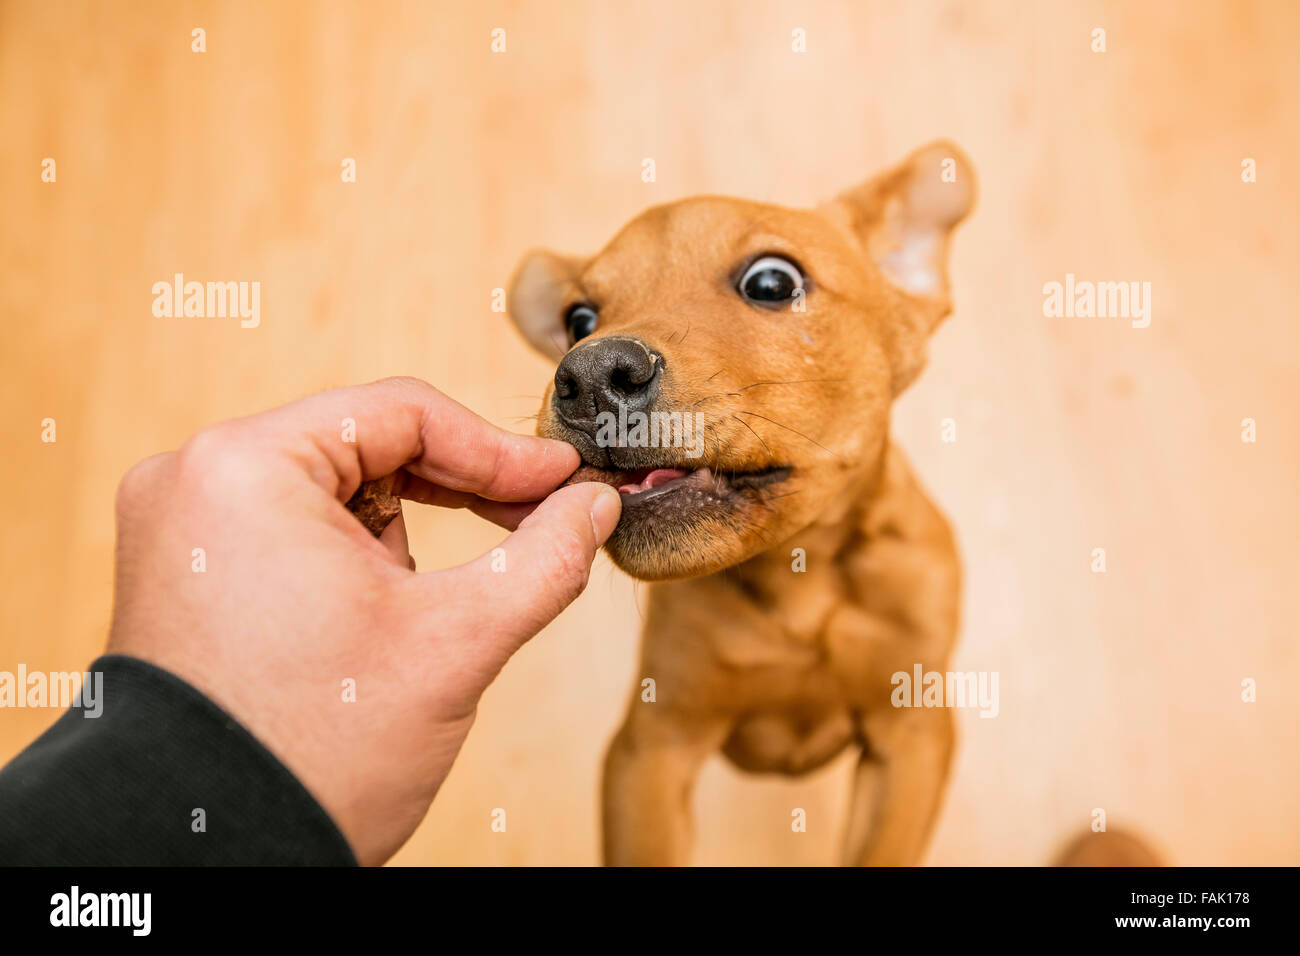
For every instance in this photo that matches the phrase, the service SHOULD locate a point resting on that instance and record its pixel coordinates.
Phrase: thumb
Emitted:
(516, 589)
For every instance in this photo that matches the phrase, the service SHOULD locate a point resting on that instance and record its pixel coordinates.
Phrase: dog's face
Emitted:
(730, 365)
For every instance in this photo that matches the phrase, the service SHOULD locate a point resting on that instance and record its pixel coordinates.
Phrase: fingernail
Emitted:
(605, 511)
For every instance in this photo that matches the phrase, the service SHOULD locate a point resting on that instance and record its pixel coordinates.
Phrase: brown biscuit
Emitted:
(375, 505)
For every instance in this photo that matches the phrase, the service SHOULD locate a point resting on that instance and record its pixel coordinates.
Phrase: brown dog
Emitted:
(802, 563)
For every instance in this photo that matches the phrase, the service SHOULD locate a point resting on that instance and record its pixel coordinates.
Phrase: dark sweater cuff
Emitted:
(125, 788)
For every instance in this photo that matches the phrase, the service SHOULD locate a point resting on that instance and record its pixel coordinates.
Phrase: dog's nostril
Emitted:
(630, 381)
(566, 386)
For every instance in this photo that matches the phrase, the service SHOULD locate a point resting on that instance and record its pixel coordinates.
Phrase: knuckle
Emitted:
(216, 458)
(209, 445)
(408, 382)
(135, 486)
(490, 467)
(129, 489)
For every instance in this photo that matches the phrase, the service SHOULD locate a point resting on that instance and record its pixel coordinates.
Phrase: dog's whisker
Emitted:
(708, 398)
(736, 394)
(756, 434)
(802, 381)
(795, 431)
(763, 537)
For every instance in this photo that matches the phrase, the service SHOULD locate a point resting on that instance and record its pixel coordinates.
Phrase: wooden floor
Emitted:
(1119, 691)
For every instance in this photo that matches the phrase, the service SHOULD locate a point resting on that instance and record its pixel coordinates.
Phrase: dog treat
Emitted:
(375, 505)
(587, 472)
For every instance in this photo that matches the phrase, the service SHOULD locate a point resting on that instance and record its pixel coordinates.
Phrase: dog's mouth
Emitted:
(685, 488)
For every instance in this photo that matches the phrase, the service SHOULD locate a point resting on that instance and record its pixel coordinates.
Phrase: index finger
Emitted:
(349, 435)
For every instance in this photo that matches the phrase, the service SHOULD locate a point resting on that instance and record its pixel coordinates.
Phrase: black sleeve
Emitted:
(123, 788)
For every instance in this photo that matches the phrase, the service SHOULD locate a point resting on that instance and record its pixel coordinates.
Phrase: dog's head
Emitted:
(730, 365)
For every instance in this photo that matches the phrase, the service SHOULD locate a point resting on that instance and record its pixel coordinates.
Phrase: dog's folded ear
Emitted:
(543, 285)
(903, 219)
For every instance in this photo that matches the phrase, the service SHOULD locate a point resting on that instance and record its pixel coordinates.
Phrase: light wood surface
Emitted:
(1118, 690)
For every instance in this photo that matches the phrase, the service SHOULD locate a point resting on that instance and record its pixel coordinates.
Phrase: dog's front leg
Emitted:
(898, 786)
(650, 770)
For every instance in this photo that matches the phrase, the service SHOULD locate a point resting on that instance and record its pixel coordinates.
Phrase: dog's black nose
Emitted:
(608, 373)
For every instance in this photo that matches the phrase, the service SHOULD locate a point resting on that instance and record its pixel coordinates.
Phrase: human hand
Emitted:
(296, 597)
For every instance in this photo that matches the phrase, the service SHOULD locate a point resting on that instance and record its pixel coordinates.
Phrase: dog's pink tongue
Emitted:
(657, 477)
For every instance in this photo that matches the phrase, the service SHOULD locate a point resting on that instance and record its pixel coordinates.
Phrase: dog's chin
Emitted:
(687, 521)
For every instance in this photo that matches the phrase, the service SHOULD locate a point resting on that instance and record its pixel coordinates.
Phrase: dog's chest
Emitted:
(805, 603)
(792, 623)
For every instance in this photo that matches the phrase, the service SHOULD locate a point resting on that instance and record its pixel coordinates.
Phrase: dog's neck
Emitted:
(801, 580)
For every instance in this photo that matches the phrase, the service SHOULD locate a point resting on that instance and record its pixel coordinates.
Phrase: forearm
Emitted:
(163, 776)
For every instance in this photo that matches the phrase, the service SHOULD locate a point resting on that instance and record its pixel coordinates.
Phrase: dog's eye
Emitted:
(580, 321)
(770, 280)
